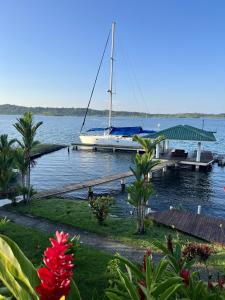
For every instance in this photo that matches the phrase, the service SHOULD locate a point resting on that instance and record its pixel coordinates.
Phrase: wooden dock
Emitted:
(106, 147)
(201, 226)
(90, 183)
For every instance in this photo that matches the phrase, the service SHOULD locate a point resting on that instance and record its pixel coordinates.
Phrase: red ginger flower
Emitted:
(56, 275)
(210, 285)
(185, 274)
(141, 293)
(148, 253)
(221, 282)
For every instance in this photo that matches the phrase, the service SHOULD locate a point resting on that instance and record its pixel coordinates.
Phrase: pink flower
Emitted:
(56, 275)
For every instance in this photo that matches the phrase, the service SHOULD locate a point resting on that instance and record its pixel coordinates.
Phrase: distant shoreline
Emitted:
(7, 109)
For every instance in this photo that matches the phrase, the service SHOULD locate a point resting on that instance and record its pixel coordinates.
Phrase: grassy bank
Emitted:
(90, 270)
(42, 149)
(79, 215)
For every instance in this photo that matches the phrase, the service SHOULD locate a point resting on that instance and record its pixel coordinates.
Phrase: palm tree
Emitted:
(27, 128)
(147, 144)
(22, 165)
(5, 144)
(6, 163)
(142, 188)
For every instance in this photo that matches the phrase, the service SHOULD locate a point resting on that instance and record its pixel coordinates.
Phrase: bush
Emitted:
(100, 207)
(172, 277)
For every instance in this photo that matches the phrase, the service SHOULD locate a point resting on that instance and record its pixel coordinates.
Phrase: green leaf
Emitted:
(11, 283)
(74, 292)
(118, 292)
(149, 273)
(12, 274)
(160, 269)
(130, 287)
(170, 291)
(27, 267)
(161, 247)
(112, 296)
(131, 265)
(166, 284)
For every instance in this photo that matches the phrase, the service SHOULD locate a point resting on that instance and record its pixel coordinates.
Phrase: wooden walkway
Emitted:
(90, 183)
(204, 227)
(112, 148)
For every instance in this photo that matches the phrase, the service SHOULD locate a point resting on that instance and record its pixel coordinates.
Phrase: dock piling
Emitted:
(123, 185)
(90, 193)
(199, 209)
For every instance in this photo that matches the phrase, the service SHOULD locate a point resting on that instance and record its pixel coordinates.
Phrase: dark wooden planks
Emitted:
(204, 227)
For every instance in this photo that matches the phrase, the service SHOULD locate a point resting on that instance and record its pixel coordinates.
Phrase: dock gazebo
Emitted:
(185, 133)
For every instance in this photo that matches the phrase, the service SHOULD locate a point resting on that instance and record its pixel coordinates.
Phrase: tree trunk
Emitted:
(23, 183)
(141, 218)
(28, 183)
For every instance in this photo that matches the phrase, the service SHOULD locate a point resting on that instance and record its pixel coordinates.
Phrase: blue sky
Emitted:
(170, 54)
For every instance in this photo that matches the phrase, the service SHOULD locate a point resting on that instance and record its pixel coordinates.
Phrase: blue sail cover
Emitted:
(123, 131)
(129, 131)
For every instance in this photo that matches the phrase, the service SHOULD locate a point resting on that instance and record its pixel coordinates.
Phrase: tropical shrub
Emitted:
(4, 221)
(172, 278)
(6, 164)
(100, 207)
(198, 251)
(28, 129)
(141, 190)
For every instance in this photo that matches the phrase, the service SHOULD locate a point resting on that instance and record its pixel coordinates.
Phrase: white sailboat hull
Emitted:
(108, 140)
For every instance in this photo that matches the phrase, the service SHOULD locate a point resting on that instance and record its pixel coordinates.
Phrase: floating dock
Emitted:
(201, 226)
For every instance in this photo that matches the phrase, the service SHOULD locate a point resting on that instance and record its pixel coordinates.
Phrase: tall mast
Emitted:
(111, 75)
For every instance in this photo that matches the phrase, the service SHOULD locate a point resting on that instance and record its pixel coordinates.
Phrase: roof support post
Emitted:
(157, 151)
(167, 144)
(199, 150)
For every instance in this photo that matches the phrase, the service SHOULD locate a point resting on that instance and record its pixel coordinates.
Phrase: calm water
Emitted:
(178, 187)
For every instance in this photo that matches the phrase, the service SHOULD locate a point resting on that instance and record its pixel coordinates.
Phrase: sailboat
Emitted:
(111, 135)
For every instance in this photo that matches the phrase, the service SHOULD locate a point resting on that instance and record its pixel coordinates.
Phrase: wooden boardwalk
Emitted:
(93, 182)
(204, 227)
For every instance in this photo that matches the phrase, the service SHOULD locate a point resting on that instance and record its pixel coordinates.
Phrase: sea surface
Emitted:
(179, 188)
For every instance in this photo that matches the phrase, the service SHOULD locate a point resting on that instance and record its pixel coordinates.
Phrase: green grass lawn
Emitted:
(90, 270)
(42, 148)
(79, 215)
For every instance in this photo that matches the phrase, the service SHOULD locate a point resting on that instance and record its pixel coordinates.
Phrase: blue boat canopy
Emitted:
(97, 129)
(124, 131)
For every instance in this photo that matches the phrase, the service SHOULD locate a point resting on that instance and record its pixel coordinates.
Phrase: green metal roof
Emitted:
(185, 133)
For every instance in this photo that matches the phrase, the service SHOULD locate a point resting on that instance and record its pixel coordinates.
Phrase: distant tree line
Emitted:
(7, 109)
